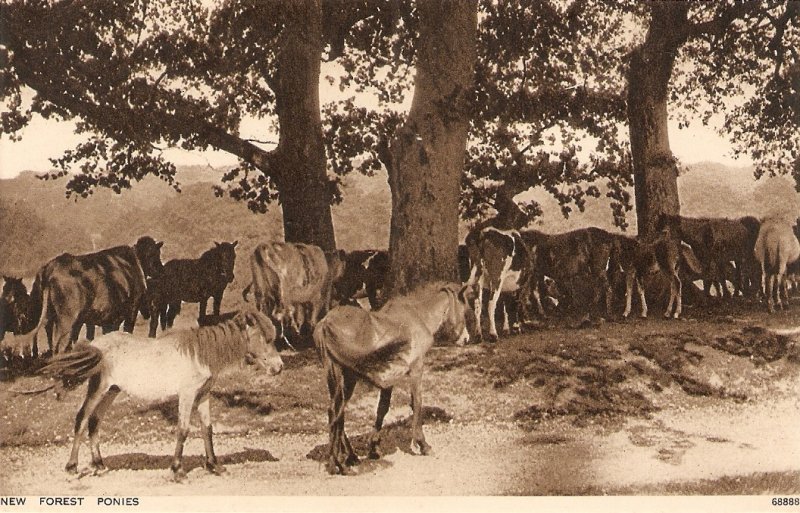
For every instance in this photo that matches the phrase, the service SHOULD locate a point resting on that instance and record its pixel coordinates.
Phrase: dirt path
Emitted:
(623, 409)
(701, 442)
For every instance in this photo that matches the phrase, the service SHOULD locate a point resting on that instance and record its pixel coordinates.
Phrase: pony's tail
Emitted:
(690, 259)
(76, 366)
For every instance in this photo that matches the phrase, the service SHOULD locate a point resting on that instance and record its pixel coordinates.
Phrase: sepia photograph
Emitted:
(373, 255)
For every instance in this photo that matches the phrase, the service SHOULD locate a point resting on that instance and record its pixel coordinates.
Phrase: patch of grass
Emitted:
(759, 483)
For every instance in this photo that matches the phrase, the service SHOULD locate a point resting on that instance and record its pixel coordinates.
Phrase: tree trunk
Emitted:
(428, 151)
(301, 178)
(654, 167)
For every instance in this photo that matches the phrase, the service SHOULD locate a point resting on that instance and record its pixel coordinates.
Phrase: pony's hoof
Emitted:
(179, 475)
(216, 469)
(424, 448)
(352, 459)
(335, 468)
(71, 468)
(374, 454)
(99, 468)
(493, 339)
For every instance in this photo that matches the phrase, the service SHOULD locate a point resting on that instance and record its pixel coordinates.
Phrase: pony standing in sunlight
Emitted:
(182, 363)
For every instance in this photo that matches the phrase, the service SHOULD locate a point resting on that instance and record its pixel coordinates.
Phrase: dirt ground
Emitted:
(705, 405)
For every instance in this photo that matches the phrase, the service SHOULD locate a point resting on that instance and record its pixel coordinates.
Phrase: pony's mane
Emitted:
(220, 345)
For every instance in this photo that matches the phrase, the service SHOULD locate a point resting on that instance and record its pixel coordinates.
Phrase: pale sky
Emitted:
(47, 139)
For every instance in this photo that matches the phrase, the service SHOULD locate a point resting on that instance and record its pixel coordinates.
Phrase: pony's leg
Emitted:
(94, 427)
(478, 311)
(492, 309)
(780, 281)
(630, 279)
(538, 297)
(335, 381)
(186, 403)
(218, 302)
(678, 295)
(155, 314)
(383, 408)
(94, 396)
(350, 380)
(203, 304)
(90, 332)
(417, 436)
(204, 409)
(668, 312)
(642, 297)
(768, 293)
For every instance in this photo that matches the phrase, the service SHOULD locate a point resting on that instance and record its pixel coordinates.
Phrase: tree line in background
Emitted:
(503, 83)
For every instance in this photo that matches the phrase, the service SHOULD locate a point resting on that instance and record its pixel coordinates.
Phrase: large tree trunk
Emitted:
(654, 168)
(428, 150)
(299, 159)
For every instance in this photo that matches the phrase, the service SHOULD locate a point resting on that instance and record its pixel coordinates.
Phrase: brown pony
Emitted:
(386, 348)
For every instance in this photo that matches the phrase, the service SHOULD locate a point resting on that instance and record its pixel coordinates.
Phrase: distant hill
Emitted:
(37, 222)
(706, 189)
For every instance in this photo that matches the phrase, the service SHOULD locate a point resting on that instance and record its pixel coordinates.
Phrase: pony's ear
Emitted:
(235, 243)
(159, 244)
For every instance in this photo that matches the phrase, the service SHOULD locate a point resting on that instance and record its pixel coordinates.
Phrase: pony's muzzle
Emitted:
(272, 366)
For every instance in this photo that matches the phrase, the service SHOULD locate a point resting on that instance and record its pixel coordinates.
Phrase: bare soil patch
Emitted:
(553, 411)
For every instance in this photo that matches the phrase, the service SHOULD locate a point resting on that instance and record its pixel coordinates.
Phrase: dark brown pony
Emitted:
(192, 280)
(638, 258)
(18, 313)
(717, 241)
(386, 348)
(575, 260)
(104, 288)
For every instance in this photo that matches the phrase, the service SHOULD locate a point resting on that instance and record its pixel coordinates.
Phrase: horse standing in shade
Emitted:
(386, 348)
(182, 363)
(192, 280)
(776, 248)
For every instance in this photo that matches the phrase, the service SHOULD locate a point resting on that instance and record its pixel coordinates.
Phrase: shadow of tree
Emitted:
(141, 461)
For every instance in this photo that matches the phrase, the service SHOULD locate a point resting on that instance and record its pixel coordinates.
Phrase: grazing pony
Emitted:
(182, 363)
(575, 260)
(776, 248)
(293, 283)
(386, 348)
(192, 280)
(638, 258)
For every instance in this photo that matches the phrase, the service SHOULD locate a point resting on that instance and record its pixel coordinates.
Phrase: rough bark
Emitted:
(428, 151)
(299, 160)
(654, 167)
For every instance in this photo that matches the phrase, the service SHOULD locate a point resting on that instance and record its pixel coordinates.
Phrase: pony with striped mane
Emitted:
(180, 363)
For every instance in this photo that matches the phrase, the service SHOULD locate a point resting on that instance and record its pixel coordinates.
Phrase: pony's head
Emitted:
(261, 336)
(222, 258)
(13, 305)
(460, 322)
(148, 251)
(13, 289)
